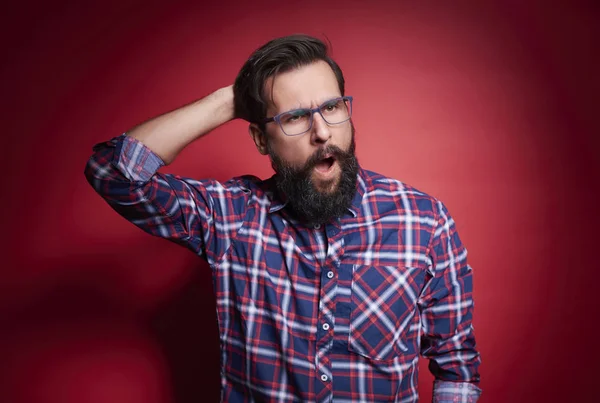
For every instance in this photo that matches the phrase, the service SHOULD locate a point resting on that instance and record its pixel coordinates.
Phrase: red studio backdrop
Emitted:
(489, 107)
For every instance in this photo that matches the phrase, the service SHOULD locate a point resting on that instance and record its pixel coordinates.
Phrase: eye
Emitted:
(331, 106)
(294, 116)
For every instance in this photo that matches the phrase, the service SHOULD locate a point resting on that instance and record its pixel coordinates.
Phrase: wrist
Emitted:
(225, 99)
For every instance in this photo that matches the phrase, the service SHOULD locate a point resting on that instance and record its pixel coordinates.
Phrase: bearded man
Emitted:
(331, 281)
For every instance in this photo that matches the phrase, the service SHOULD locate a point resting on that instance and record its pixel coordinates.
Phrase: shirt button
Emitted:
(317, 226)
(324, 378)
(330, 274)
(325, 326)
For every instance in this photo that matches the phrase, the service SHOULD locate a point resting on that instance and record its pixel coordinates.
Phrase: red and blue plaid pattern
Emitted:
(319, 314)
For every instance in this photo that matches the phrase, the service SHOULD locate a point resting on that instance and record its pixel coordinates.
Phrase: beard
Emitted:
(308, 203)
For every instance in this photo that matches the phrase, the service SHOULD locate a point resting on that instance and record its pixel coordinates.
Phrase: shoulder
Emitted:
(238, 184)
(408, 199)
(239, 189)
(248, 187)
(249, 184)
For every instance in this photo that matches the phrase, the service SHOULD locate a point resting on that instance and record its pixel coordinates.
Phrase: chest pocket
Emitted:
(383, 304)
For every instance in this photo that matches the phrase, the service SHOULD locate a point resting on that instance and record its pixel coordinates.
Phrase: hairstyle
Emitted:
(276, 56)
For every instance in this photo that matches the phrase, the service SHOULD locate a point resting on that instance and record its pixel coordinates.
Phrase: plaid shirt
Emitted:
(338, 312)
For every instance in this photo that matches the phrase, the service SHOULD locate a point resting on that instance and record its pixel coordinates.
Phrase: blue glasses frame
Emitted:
(277, 118)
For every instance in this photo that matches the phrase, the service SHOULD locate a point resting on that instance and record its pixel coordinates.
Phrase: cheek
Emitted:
(346, 139)
(296, 157)
(292, 151)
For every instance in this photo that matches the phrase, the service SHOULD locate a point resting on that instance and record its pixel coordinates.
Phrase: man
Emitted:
(330, 280)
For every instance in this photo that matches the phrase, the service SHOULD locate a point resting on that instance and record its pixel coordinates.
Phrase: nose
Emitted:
(321, 132)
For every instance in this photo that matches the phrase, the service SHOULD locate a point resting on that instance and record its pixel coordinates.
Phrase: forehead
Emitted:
(302, 87)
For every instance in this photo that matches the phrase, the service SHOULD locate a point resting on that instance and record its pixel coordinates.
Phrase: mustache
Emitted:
(334, 151)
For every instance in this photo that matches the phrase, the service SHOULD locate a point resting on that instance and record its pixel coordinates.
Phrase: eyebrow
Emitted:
(308, 107)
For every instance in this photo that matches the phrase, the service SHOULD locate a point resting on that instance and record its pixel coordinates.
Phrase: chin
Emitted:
(327, 187)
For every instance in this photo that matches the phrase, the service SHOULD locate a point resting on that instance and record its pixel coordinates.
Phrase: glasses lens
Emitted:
(336, 111)
(295, 122)
(299, 121)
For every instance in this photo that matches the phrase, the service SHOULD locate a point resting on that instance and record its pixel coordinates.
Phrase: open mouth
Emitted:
(325, 164)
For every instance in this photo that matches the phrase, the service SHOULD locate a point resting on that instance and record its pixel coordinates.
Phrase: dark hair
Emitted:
(276, 56)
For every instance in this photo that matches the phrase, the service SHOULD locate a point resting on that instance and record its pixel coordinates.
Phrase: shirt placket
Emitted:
(326, 318)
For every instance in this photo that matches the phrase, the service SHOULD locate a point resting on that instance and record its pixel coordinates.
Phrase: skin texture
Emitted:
(166, 135)
(305, 87)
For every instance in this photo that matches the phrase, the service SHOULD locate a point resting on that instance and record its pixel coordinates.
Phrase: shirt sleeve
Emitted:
(448, 339)
(200, 215)
(455, 392)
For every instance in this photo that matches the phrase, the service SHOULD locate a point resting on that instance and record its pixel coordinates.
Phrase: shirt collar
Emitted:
(277, 201)
(362, 184)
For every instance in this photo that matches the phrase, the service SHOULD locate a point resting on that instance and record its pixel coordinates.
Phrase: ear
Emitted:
(259, 137)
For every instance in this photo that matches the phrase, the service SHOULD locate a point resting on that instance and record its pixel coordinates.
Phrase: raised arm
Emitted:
(124, 172)
(168, 134)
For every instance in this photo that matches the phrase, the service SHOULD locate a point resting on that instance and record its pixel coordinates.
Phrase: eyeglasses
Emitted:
(299, 121)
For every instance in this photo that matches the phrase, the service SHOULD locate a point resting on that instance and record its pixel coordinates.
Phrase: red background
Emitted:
(489, 107)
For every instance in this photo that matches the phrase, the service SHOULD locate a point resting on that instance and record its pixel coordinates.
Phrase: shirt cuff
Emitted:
(455, 392)
(136, 161)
